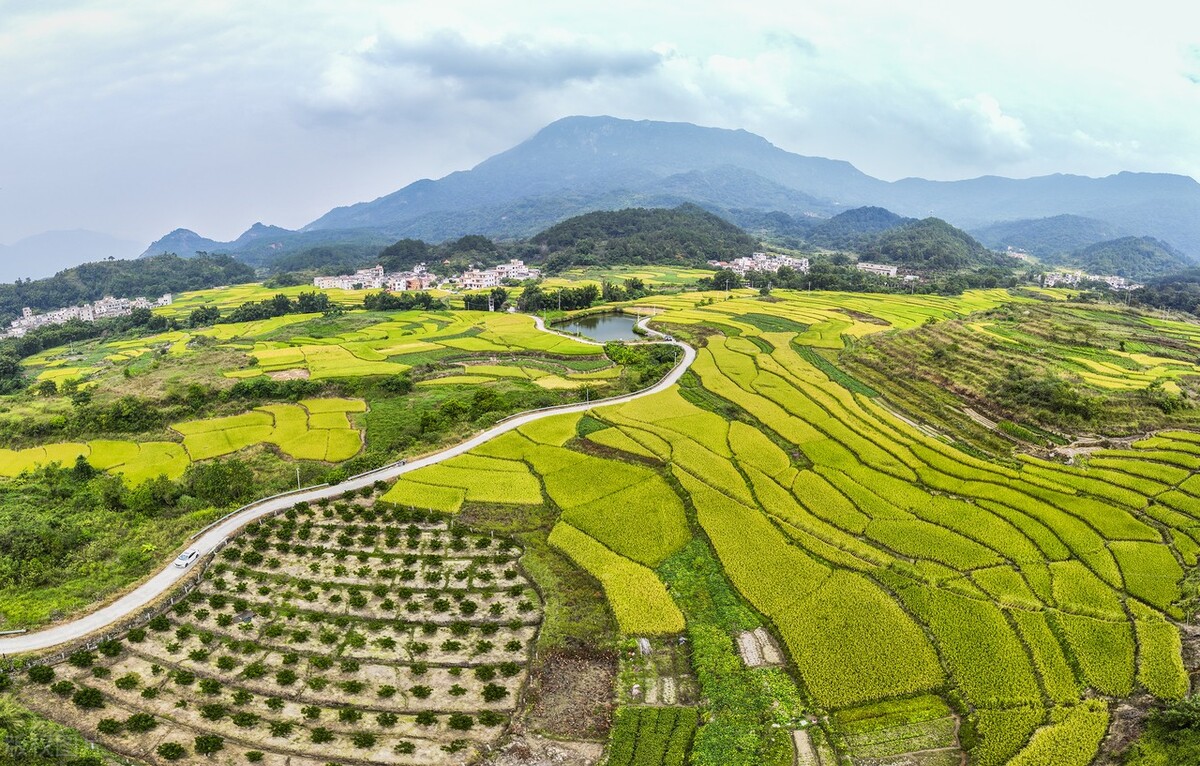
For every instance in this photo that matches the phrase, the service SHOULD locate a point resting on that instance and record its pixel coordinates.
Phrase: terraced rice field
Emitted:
(890, 563)
(353, 633)
(314, 429)
(389, 345)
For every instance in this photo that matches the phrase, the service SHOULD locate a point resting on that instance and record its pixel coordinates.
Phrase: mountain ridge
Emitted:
(580, 164)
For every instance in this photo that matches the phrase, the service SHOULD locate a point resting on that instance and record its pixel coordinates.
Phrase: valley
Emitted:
(928, 588)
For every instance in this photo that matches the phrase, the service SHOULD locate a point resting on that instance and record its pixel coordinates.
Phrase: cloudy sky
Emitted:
(134, 118)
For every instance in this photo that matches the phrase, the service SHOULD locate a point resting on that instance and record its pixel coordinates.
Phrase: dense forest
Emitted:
(1129, 257)
(148, 277)
(1177, 292)
(931, 245)
(684, 236)
(851, 229)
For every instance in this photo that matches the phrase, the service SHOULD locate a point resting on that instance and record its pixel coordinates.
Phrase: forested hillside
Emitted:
(685, 235)
(931, 245)
(149, 277)
(1047, 236)
(1131, 257)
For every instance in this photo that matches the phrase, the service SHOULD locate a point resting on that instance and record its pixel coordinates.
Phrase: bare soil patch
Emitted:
(571, 694)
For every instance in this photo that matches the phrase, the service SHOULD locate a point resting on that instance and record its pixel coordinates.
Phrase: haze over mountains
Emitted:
(579, 164)
(50, 252)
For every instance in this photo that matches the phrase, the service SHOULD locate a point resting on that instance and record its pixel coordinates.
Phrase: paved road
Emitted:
(163, 581)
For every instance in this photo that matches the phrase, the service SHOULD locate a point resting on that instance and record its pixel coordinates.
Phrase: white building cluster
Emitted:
(1074, 278)
(878, 269)
(102, 309)
(375, 279)
(762, 263)
(476, 279)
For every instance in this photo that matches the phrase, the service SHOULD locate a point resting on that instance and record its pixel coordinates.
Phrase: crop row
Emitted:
(651, 736)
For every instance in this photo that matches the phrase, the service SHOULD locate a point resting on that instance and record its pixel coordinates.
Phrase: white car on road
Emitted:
(187, 557)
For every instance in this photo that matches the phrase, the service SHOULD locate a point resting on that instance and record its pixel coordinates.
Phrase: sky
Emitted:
(134, 117)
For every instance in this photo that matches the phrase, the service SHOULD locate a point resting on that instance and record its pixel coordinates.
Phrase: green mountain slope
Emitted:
(682, 235)
(1130, 257)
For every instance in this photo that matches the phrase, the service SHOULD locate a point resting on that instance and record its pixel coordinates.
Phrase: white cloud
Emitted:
(134, 117)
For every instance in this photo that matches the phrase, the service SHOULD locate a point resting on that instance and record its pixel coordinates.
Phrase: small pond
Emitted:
(602, 327)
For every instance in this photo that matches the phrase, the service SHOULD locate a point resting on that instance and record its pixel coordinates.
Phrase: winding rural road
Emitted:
(209, 539)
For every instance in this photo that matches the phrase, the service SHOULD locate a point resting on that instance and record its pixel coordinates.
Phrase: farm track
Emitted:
(161, 583)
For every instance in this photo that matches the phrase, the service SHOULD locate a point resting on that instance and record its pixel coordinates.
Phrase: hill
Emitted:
(1130, 257)
(1047, 236)
(930, 245)
(685, 235)
(847, 230)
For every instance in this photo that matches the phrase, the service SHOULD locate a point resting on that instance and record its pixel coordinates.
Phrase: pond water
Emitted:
(602, 327)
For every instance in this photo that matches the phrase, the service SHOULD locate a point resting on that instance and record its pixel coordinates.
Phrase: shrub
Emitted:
(404, 747)
(171, 751)
(207, 744)
(420, 692)
(427, 718)
(490, 718)
(241, 697)
(150, 692)
(160, 624)
(285, 677)
(320, 735)
(281, 728)
(214, 711)
(485, 672)
(274, 703)
(82, 659)
(185, 677)
(363, 739)
(136, 635)
(494, 693)
(244, 719)
(254, 756)
(349, 715)
(140, 723)
(110, 726)
(387, 720)
(311, 712)
(128, 682)
(87, 698)
(386, 691)
(41, 674)
(509, 669)
(110, 648)
(461, 722)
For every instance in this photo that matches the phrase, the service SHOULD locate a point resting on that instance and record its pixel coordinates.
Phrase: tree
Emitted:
(47, 388)
(404, 255)
(204, 316)
(83, 470)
